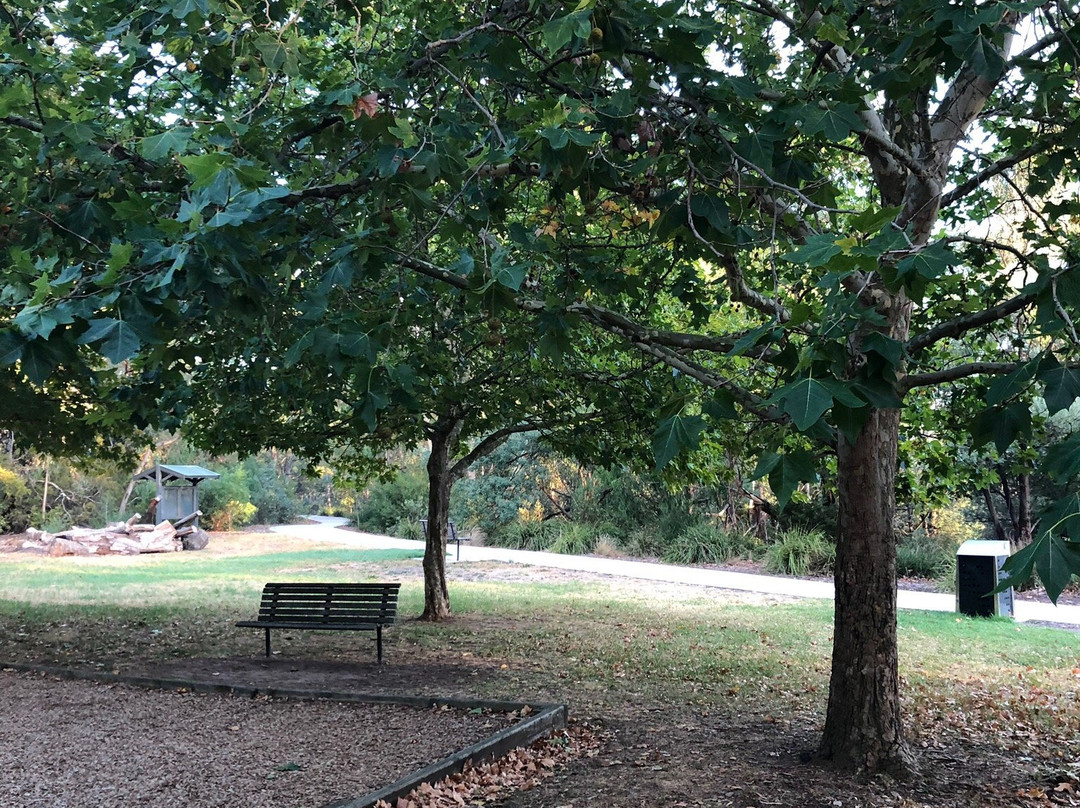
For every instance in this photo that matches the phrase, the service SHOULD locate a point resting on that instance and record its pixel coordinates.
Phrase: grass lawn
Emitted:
(661, 656)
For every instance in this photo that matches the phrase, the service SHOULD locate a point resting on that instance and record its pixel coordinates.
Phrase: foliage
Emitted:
(574, 539)
(528, 535)
(930, 557)
(16, 502)
(704, 543)
(383, 506)
(800, 552)
(226, 501)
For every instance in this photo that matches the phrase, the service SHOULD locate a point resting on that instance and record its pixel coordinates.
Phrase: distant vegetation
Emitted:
(523, 496)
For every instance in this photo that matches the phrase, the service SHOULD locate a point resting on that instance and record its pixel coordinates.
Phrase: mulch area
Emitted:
(680, 756)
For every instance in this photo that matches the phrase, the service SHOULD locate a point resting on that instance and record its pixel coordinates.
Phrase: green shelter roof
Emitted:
(170, 474)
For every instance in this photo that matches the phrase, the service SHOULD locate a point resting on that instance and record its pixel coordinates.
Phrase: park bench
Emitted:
(326, 607)
(451, 535)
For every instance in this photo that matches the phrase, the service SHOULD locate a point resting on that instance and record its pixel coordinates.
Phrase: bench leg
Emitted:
(378, 641)
(268, 642)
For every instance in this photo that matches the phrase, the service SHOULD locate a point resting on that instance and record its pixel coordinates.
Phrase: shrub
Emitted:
(385, 505)
(703, 543)
(231, 515)
(16, 502)
(573, 538)
(606, 547)
(922, 556)
(522, 536)
(226, 502)
(644, 543)
(408, 529)
(801, 552)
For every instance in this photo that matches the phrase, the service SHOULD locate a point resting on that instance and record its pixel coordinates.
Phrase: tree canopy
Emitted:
(814, 211)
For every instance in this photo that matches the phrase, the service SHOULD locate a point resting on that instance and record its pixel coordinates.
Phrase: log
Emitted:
(38, 535)
(135, 517)
(65, 547)
(196, 540)
(183, 520)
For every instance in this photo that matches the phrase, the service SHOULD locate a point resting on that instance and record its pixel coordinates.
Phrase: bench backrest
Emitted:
(329, 603)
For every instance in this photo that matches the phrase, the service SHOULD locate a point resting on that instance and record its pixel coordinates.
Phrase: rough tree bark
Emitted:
(440, 480)
(863, 726)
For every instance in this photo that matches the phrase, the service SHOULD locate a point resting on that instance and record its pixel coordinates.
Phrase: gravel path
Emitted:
(78, 744)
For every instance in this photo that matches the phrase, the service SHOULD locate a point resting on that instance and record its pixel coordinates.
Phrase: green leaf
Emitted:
(1002, 425)
(509, 275)
(1055, 559)
(39, 360)
(929, 263)
(721, 406)
(118, 339)
(11, 348)
(850, 420)
(674, 435)
(752, 338)
(805, 402)
(119, 256)
(558, 32)
(791, 469)
(1006, 387)
(816, 252)
(836, 122)
(1062, 461)
(339, 276)
(886, 347)
(171, 141)
(1062, 385)
(204, 168)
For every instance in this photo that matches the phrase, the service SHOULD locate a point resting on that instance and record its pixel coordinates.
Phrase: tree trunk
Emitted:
(436, 596)
(863, 727)
(1024, 527)
(995, 520)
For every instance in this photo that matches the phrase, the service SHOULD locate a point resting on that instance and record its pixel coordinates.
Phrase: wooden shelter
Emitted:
(177, 489)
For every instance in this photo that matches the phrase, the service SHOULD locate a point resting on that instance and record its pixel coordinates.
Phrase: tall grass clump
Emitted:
(703, 543)
(527, 535)
(798, 551)
(574, 538)
(922, 556)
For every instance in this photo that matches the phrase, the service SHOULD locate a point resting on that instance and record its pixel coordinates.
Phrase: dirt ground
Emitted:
(660, 752)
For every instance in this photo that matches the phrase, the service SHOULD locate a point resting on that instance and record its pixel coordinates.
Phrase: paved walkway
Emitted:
(327, 530)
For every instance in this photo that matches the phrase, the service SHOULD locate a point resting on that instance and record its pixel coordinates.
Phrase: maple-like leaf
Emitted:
(366, 105)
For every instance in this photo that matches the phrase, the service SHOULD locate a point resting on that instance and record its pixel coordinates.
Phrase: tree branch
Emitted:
(909, 382)
(967, 322)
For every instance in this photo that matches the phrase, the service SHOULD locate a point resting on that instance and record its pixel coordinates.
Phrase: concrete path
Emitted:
(327, 530)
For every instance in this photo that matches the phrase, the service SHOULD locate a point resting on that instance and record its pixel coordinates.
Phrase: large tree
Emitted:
(307, 375)
(788, 202)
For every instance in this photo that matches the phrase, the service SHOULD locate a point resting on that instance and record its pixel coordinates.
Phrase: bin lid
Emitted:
(983, 547)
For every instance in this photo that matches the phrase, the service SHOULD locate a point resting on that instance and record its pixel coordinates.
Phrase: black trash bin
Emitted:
(978, 570)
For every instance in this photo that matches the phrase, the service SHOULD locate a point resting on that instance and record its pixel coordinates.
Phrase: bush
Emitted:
(704, 543)
(17, 502)
(386, 505)
(409, 529)
(231, 515)
(226, 501)
(523, 536)
(920, 556)
(573, 538)
(801, 552)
